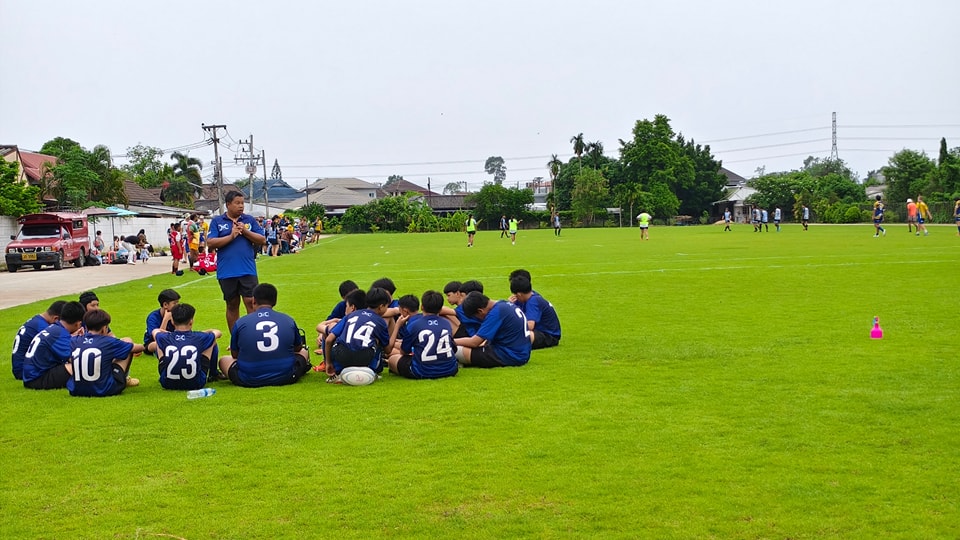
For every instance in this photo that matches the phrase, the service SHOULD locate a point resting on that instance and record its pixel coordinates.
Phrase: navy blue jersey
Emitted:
(430, 339)
(93, 356)
(153, 322)
(362, 329)
(469, 324)
(339, 311)
(541, 312)
(236, 258)
(48, 349)
(505, 329)
(265, 342)
(21, 342)
(182, 365)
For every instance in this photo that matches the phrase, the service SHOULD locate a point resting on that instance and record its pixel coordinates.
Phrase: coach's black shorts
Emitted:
(238, 287)
(53, 378)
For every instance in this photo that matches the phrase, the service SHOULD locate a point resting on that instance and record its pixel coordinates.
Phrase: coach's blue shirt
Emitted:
(505, 329)
(266, 341)
(235, 259)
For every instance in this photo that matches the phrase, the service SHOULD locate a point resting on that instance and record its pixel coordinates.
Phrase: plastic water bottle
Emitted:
(877, 332)
(203, 392)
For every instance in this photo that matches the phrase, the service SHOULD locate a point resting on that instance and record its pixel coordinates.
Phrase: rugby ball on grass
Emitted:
(357, 376)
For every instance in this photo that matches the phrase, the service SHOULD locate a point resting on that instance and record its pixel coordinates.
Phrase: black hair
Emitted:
(167, 295)
(72, 312)
(521, 272)
(386, 284)
(468, 287)
(474, 302)
(182, 314)
(346, 287)
(377, 296)
(409, 302)
(55, 308)
(229, 196)
(96, 319)
(86, 297)
(356, 298)
(520, 284)
(431, 301)
(452, 287)
(265, 294)
(878, 197)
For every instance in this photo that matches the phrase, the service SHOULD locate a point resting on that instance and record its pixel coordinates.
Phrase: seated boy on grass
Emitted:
(360, 338)
(501, 340)
(427, 349)
(46, 364)
(336, 314)
(185, 357)
(160, 318)
(101, 363)
(409, 306)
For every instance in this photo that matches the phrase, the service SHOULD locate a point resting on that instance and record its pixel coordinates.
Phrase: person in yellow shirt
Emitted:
(644, 220)
(923, 214)
(317, 229)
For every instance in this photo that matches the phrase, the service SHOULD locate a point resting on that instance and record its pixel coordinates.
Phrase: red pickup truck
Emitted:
(49, 240)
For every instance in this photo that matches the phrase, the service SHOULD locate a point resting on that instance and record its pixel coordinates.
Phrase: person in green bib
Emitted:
(513, 230)
(471, 230)
(644, 219)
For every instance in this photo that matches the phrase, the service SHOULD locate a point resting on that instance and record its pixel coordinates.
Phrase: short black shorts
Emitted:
(342, 357)
(403, 367)
(238, 286)
(484, 357)
(300, 368)
(542, 341)
(119, 381)
(53, 378)
(274, 242)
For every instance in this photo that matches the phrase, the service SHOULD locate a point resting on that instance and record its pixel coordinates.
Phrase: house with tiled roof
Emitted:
(32, 164)
(403, 186)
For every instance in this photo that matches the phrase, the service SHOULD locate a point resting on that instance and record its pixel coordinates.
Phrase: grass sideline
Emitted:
(708, 384)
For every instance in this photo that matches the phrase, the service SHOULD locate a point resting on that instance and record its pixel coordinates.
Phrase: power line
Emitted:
(901, 126)
(771, 146)
(806, 130)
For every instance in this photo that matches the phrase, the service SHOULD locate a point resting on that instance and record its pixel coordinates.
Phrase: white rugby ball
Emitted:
(357, 376)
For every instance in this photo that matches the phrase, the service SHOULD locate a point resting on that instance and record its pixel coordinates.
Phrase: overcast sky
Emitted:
(336, 88)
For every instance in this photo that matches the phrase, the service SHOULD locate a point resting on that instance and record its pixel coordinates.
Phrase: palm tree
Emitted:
(186, 180)
(187, 167)
(594, 152)
(578, 147)
(553, 166)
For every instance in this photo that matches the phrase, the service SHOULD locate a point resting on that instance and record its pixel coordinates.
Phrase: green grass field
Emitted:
(708, 384)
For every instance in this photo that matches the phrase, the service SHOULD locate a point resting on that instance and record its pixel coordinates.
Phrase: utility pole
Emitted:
(218, 165)
(834, 155)
(266, 203)
(251, 160)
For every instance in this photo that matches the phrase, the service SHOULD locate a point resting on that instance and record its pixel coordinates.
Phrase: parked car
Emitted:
(49, 239)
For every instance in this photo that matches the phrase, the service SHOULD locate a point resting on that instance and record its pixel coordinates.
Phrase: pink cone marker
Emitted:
(876, 332)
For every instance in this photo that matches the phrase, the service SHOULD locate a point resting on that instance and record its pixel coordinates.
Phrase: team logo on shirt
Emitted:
(223, 227)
